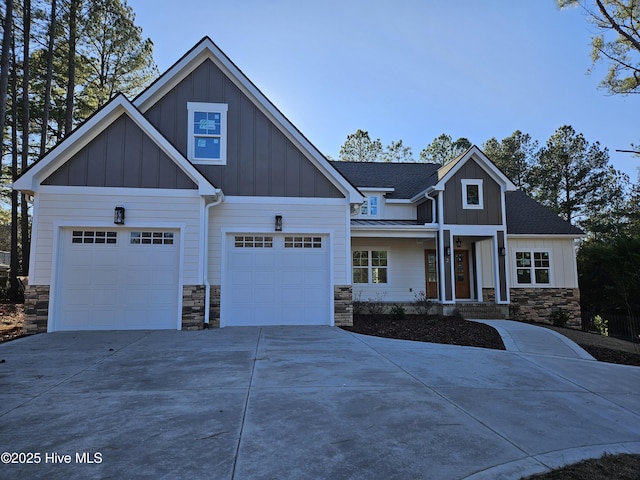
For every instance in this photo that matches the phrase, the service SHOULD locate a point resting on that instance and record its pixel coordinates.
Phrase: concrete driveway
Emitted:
(302, 403)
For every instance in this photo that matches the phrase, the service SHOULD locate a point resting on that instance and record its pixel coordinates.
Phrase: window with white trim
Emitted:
(370, 266)
(207, 133)
(472, 195)
(369, 207)
(533, 268)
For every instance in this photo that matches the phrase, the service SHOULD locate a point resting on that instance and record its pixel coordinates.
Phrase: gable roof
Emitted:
(526, 216)
(206, 49)
(31, 178)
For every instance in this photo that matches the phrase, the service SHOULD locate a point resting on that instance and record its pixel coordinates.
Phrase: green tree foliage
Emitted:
(617, 41)
(609, 274)
(397, 152)
(514, 155)
(568, 173)
(360, 148)
(443, 149)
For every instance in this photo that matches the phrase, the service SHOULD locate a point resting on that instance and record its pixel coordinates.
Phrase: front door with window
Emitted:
(461, 272)
(431, 273)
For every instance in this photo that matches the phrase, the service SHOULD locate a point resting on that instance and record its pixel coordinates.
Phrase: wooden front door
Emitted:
(431, 273)
(461, 272)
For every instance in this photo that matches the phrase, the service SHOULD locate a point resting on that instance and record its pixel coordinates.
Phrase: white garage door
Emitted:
(115, 279)
(276, 280)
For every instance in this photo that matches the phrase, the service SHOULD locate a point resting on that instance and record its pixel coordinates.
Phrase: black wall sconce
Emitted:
(118, 215)
(447, 251)
(458, 243)
(278, 223)
(502, 251)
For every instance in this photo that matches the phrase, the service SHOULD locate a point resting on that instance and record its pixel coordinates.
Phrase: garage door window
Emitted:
(151, 238)
(91, 236)
(302, 242)
(252, 241)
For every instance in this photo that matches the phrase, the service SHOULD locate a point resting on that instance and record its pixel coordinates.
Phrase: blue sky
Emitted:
(409, 69)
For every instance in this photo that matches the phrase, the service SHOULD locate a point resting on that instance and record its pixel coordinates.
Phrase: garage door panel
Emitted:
(286, 283)
(116, 285)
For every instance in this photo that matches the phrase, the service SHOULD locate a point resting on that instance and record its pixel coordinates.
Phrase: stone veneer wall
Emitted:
(36, 308)
(342, 305)
(214, 307)
(193, 297)
(537, 304)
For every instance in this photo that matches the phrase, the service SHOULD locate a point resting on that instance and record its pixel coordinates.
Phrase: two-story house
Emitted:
(198, 203)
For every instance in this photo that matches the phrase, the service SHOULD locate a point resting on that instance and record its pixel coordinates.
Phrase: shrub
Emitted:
(358, 304)
(601, 325)
(559, 318)
(376, 305)
(421, 303)
(398, 312)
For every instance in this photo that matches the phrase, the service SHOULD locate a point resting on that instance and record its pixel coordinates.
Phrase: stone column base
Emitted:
(342, 305)
(36, 309)
(214, 307)
(193, 307)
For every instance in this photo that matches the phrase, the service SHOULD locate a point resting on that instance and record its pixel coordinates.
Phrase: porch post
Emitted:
(500, 268)
(447, 269)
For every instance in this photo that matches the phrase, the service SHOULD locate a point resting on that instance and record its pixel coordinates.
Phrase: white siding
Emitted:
(258, 216)
(561, 250)
(92, 210)
(562, 259)
(399, 211)
(406, 272)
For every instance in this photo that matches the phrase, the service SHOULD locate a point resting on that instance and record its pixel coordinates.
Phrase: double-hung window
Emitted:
(533, 268)
(370, 266)
(207, 133)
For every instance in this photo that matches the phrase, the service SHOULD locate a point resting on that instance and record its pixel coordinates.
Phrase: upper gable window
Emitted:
(369, 207)
(472, 196)
(207, 141)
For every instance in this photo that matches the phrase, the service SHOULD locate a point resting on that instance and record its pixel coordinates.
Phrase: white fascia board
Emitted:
(493, 171)
(377, 189)
(84, 134)
(285, 200)
(393, 231)
(550, 236)
(206, 49)
(119, 191)
(423, 195)
(398, 200)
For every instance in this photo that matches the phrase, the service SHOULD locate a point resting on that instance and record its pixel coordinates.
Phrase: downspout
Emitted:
(218, 199)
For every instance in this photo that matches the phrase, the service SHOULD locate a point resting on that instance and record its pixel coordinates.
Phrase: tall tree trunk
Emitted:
(4, 69)
(71, 80)
(15, 262)
(24, 206)
(48, 80)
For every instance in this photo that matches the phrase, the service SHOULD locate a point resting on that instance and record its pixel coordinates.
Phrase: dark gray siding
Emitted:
(491, 214)
(502, 267)
(425, 212)
(121, 156)
(260, 159)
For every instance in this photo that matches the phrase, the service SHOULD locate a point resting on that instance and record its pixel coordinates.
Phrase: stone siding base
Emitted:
(193, 297)
(342, 305)
(537, 304)
(36, 309)
(214, 307)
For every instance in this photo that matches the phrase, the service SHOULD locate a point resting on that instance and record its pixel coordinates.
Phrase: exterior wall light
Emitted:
(502, 251)
(278, 223)
(118, 215)
(447, 251)
(458, 242)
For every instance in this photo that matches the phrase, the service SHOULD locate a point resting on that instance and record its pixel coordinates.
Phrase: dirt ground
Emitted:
(11, 321)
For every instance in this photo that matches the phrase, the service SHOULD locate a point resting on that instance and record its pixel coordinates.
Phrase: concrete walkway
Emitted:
(304, 403)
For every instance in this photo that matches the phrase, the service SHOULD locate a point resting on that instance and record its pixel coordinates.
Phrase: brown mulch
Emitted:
(434, 329)
(11, 321)
(608, 467)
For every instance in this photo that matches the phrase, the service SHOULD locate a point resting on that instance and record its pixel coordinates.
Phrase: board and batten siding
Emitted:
(96, 211)
(121, 156)
(297, 218)
(261, 160)
(406, 271)
(490, 214)
(562, 261)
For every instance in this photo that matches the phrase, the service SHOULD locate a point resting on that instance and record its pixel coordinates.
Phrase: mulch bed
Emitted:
(609, 355)
(434, 329)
